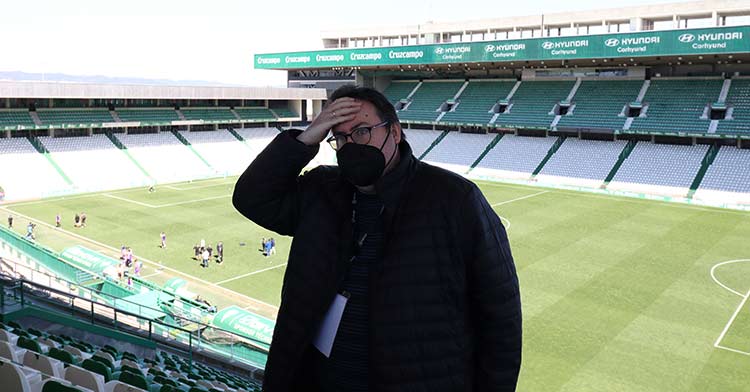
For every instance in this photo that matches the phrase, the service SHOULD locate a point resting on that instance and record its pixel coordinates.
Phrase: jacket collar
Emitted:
(391, 186)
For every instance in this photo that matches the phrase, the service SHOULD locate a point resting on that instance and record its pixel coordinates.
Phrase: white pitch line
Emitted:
(159, 265)
(713, 276)
(734, 350)
(519, 198)
(251, 273)
(191, 201)
(130, 201)
(502, 218)
(150, 275)
(731, 320)
(190, 188)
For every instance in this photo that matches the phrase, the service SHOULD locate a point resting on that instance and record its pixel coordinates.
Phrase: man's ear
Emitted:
(396, 129)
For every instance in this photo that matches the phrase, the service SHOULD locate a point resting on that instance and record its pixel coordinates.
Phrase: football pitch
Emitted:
(618, 294)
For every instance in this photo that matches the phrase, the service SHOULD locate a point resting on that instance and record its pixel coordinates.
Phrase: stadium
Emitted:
(614, 144)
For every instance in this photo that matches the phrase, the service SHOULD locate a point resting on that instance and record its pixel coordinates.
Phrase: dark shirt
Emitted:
(347, 368)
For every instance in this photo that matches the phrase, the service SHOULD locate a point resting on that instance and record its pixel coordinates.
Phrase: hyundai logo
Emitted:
(548, 45)
(612, 42)
(686, 38)
(439, 50)
(489, 48)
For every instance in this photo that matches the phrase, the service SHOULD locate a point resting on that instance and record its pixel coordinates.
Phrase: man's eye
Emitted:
(361, 131)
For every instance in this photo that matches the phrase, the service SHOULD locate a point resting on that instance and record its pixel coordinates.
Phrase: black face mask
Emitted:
(362, 164)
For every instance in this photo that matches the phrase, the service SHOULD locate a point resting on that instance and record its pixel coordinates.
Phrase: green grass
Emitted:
(617, 292)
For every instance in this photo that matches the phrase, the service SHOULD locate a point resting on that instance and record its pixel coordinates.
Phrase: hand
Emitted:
(339, 111)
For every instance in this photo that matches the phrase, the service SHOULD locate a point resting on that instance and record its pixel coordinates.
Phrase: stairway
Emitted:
(624, 154)
(550, 153)
(125, 151)
(37, 121)
(434, 143)
(707, 161)
(487, 149)
(190, 146)
(39, 146)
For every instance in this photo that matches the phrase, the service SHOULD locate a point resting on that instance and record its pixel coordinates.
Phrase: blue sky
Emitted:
(211, 40)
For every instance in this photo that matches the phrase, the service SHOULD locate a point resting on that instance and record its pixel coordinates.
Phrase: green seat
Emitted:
(197, 389)
(29, 344)
(57, 339)
(126, 368)
(62, 355)
(55, 386)
(104, 361)
(35, 332)
(134, 380)
(165, 381)
(98, 368)
(15, 325)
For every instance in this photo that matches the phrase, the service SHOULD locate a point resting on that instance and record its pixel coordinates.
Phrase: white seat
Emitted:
(84, 378)
(48, 342)
(11, 352)
(16, 378)
(6, 336)
(43, 363)
(132, 364)
(77, 353)
(118, 386)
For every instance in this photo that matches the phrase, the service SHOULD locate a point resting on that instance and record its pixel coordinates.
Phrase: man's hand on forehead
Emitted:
(339, 111)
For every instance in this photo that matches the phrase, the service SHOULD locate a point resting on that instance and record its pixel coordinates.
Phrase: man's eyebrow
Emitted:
(361, 123)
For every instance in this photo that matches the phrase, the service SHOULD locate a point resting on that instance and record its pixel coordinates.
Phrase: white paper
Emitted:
(323, 341)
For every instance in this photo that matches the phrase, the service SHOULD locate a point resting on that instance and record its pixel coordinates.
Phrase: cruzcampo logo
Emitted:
(686, 38)
(612, 42)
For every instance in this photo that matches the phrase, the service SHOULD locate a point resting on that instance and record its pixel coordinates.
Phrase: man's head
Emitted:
(376, 125)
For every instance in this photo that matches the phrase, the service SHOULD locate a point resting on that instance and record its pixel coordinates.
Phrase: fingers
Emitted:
(337, 112)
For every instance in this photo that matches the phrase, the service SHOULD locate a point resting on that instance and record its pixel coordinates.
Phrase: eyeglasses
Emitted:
(359, 135)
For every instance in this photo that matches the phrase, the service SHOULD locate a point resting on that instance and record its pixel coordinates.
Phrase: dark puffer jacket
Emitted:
(445, 308)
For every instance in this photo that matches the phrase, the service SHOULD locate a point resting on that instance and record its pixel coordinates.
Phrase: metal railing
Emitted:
(203, 339)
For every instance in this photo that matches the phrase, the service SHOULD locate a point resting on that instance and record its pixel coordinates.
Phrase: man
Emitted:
(416, 255)
(163, 238)
(30, 231)
(205, 256)
(10, 221)
(57, 220)
(220, 252)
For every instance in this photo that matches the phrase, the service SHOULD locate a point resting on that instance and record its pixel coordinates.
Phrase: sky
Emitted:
(212, 40)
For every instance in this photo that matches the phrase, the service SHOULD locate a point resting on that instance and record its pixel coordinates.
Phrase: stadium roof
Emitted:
(673, 12)
(12, 89)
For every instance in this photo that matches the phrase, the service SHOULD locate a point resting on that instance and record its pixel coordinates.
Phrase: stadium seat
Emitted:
(62, 355)
(29, 344)
(98, 367)
(133, 379)
(119, 386)
(9, 351)
(85, 378)
(43, 363)
(6, 336)
(52, 385)
(14, 378)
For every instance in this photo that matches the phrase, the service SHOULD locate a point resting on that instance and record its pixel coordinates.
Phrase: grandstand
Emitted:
(562, 118)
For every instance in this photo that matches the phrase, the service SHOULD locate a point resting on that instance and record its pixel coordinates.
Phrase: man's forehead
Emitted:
(367, 115)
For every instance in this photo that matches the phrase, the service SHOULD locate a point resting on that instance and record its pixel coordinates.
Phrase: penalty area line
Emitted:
(729, 324)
